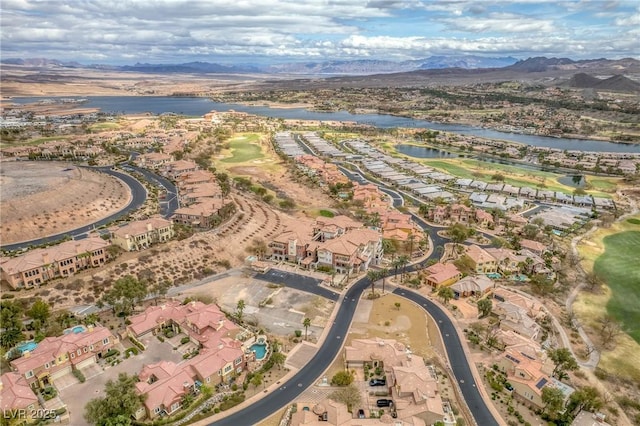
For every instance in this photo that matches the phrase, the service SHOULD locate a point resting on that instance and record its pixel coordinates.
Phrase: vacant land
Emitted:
(47, 198)
(613, 253)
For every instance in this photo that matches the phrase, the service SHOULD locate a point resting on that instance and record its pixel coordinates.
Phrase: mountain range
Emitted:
(347, 67)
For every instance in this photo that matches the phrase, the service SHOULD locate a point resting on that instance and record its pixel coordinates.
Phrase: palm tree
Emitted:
(240, 309)
(383, 273)
(404, 261)
(396, 263)
(373, 277)
(306, 322)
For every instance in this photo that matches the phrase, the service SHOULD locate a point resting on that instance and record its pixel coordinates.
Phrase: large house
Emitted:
(220, 354)
(339, 243)
(41, 265)
(141, 234)
(482, 262)
(442, 274)
(17, 399)
(55, 357)
(205, 214)
(412, 384)
(205, 325)
(472, 286)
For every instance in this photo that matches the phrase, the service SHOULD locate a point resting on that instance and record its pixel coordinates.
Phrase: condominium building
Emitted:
(142, 234)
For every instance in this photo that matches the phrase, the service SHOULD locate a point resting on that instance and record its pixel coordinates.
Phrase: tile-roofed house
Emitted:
(55, 357)
(205, 214)
(153, 160)
(534, 246)
(38, 266)
(164, 394)
(205, 324)
(528, 376)
(472, 286)
(179, 167)
(142, 234)
(413, 384)
(483, 262)
(506, 260)
(16, 395)
(441, 274)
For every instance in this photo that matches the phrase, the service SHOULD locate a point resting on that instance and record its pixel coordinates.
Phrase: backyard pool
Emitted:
(494, 276)
(75, 330)
(28, 346)
(260, 349)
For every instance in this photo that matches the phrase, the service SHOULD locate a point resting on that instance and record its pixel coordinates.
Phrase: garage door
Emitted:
(87, 362)
(66, 370)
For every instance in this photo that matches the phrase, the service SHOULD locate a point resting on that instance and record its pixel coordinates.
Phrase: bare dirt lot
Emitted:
(47, 198)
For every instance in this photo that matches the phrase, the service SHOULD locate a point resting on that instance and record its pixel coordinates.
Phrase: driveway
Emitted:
(77, 396)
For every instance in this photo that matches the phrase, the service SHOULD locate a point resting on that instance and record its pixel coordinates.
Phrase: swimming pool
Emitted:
(28, 346)
(260, 350)
(494, 276)
(75, 330)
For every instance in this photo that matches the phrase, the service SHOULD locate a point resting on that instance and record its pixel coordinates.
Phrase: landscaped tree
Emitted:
(563, 360)
(553, 399)
(342, 378)
(540, 284)
(40, 311)
(458, 233)
(465, 265)
(586, 398)
(384, 272)
(484, 307)
(11, 316)
(240, 309)
(306, 322)
(445, 293)
(126, 293)
(397, 305)
(609, 330)
(373, 276)
(117, 407)
(593, 281)
(256, 380)
(403, 261)
(349, 396)
(278, 358)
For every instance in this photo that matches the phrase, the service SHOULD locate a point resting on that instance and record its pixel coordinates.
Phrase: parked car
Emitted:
(361, 413)
(377, 382)
(384, 402)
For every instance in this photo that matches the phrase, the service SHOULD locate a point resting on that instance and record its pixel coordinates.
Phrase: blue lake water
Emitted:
(423, 152)
(200, 106)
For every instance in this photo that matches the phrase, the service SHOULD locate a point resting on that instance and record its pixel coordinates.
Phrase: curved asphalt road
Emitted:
(138, 197)
(307, 376)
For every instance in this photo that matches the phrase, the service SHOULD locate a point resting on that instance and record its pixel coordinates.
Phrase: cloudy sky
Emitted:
(271, 31)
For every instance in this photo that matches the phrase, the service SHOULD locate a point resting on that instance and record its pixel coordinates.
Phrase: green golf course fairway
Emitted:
(619, 266)
(244, 148)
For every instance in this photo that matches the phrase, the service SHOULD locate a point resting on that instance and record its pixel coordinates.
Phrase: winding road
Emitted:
(347, 304)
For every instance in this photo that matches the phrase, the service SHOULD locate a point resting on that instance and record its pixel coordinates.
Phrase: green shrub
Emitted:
(112, 352)
(7, 296)
(298, 333)
(184, 340)
(160, 338)
(79, 375)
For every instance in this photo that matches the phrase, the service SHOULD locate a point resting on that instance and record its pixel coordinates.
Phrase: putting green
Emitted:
(619, 265)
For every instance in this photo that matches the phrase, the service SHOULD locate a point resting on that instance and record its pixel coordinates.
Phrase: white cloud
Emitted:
(222, 30)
